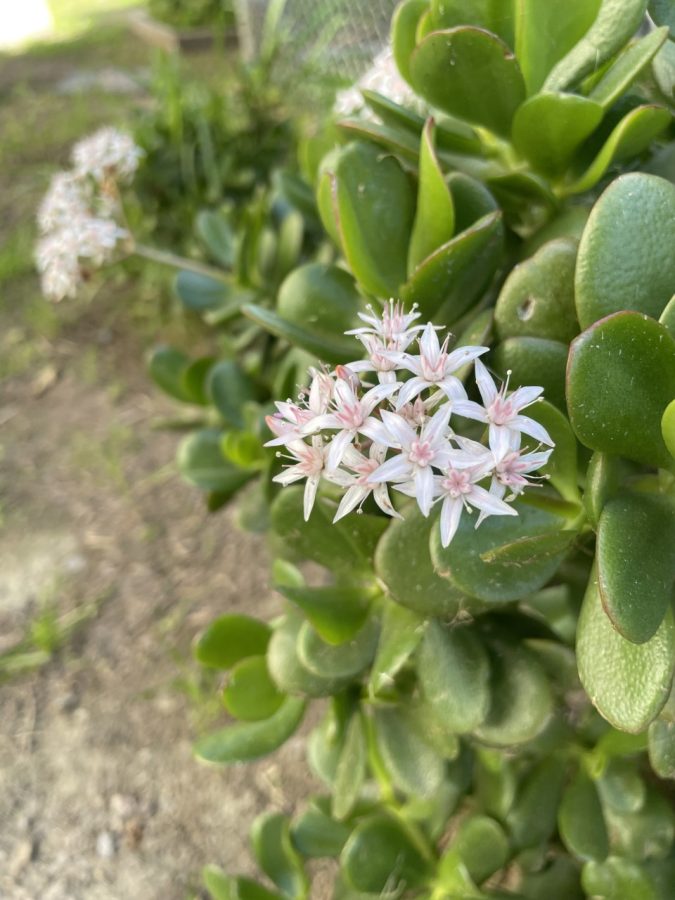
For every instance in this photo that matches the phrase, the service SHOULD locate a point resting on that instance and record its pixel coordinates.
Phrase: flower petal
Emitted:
(461, 356)
(337, 447)
(310, 495)
(398, 428)
(424, 483)
(395, 469)
(502, 439)
(524, 396)
(534, 429)
(410, 390)
(489, 503)
(470, 410)
(350, 501)
(429, 345)
(486, 386)
(381, 496)
(375, 395)
(451, 513)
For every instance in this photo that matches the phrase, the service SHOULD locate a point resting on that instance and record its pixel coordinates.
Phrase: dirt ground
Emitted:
(100, 798)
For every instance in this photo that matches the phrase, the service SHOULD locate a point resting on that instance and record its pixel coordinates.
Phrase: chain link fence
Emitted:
(342, 36)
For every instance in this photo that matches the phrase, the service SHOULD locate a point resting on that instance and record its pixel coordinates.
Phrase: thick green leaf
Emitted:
(403, 30)
(194, 380)
(621, 787)
(469, 73)
(324, 747)
(322, 299)
(435, 215)
(537, 299)
(662, 748)
(229, 639)
(521, 698)
(201, 293)
(631, 137)
(581, 821)
(621, 74)
(402, 630)
(525, 550)
(346, 546)
(166, 366)
(414, 767)
(449, 281)
(201, 462)
(562, 465)
(548, 128)
(334, 348)
(616, 22)
(276, 856)
(625, 256)
(382, 854)
(478, 332)
(636, 563)
(403, 563)
(229, 388)
(336, 612)
(350, 772)
(646, 833)
(620, 378)
(462, 562)
(482, 846)
(532, 820)
(495, 780)
(618, 879)
(399, 141)
(668, 427)
(471, 199)
(288, 673)
(216, 232)
(496, 16)
(340, 661)
(250, 693)
(627, 683)
(533, 360)
(249, 740)
(560, 878)
(375, 204)
(546, 31)
(667, 317)
(603, 477)
(316, 834)
(454, 675)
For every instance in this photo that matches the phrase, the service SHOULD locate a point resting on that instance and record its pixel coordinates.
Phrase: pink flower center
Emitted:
(509, 469)
(364, 470)
(421, 453)
(350, 416)
(500, 411)
(311, 461)
(456, 483)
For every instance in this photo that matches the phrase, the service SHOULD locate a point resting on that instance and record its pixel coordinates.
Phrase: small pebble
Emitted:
(105, 845)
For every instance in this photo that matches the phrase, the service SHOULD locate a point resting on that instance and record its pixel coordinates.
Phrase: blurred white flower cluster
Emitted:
(78, 216)
(382, 77)
(368, 438)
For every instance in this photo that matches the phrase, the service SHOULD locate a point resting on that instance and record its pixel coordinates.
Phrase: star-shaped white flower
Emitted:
(434, 367)
(310, 464)
(394, 327)
(356, 483)
(350, 415)
(458, 490)
(419, 452)
(291, 421)
(501, 411)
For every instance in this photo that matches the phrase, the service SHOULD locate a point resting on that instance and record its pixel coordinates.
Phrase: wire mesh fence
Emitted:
(342, 35)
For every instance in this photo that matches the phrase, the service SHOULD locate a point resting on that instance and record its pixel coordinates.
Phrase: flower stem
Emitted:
(166, 258)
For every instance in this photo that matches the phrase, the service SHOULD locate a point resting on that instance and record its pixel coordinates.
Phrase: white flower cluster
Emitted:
(77, 216)
(382, 77)
(366, 438)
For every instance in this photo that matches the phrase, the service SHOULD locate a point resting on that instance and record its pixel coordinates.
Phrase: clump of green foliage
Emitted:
(498, 713)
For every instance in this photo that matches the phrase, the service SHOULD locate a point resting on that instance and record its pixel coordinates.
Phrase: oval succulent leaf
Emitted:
(632, 136)
(581, 821)
(414, 767)
(627, 67)
(229, 639)
(469, 73)
(548, 128)
(616, 22)
(628, 683)
(620, 378)
(435, 215)
(454, 675)
(636, 563)
(636, 211)
(249, 740)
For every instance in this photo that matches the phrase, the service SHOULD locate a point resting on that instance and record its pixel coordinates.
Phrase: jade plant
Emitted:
(497, 706)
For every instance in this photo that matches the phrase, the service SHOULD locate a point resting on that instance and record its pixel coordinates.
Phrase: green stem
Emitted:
(166, 258)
